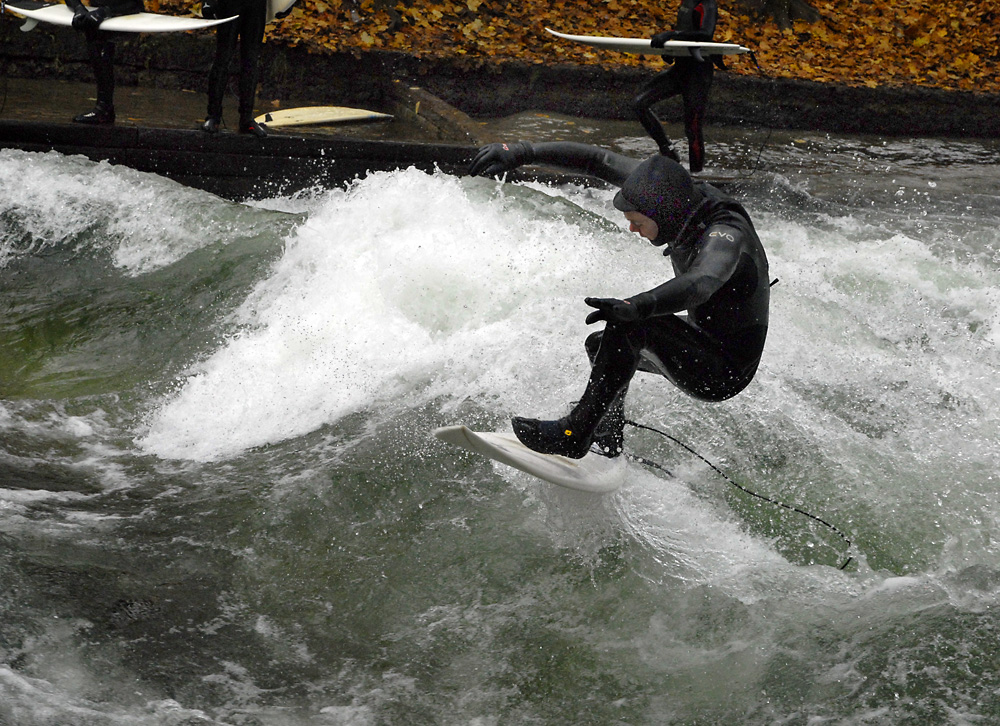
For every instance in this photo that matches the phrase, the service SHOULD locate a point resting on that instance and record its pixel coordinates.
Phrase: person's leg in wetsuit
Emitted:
(253, 21)
(101, 51)
(248, 31)
(697, 82)
(661, 86)
(692, 79)
(668, 345)
(226, 37)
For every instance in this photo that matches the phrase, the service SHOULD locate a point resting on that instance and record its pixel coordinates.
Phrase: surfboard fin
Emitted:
(29, 24)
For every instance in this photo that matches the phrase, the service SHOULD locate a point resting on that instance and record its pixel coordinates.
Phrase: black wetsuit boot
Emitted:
(572, 435)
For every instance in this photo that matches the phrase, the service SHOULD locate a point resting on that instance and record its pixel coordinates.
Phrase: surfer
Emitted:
(689, 76)
(101, 52)
(720, 281)
(248, 30)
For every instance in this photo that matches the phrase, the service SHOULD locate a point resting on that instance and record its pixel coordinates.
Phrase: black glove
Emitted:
(210, 9)
(495, 159)
(90, 20)
(79, 11)
(660, 39)
(611, 309)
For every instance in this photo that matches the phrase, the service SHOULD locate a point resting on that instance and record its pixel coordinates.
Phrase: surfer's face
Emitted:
(642, 225)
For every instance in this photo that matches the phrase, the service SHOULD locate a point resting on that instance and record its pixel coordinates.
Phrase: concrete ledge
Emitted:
(235, 166)
(241, 167)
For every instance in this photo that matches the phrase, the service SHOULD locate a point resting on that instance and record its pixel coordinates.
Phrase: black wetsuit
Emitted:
(688, 76)
(720, 280)
(248, 30)
(101, 49)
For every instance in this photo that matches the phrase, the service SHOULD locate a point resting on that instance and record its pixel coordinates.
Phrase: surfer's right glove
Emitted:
(612, 309)
(495, 159)
(90, 20)
(660, 39)
(210, 10)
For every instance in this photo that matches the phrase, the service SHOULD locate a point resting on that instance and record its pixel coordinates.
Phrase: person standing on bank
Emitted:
(248, 30)
(690, 76)
(720, 281)
(101, 51)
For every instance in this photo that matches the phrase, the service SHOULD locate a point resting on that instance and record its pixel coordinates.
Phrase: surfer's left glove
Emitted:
(90, 20)
(612, 309)
(495, 159)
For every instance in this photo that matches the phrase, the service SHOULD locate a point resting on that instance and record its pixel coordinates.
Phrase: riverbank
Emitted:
(927, 43)
(483, 89)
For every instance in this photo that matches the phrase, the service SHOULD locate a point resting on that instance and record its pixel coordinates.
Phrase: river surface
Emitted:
(220, 502)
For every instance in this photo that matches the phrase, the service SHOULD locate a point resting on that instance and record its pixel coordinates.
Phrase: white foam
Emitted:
(146, 221)
(408, 280)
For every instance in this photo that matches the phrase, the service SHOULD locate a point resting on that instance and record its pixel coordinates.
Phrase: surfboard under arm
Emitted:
(642, 46)
(36, 12)
(277, 9)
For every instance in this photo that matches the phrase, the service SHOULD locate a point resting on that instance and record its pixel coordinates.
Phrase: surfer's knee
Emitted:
(631, 337)
(641, 104)
(593, 344)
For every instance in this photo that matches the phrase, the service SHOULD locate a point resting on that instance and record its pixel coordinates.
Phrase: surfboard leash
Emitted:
(3, 105)
(770, 128)
(6, 67)
(720, 472)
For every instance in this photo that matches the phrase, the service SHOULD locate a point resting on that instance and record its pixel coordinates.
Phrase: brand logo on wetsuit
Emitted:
(724, 235)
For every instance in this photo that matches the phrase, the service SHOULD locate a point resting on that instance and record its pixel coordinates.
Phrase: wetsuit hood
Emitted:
(661, 189)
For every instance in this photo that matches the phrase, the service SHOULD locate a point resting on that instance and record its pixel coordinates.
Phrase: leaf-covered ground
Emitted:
(952, 45)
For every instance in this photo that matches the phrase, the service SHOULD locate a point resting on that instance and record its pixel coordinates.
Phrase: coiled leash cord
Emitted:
(720, 472)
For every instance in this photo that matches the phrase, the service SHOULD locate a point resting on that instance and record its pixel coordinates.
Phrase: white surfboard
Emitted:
(593, 473)
(275, 7)
(317, 115)
(642, 46)
(58, 14)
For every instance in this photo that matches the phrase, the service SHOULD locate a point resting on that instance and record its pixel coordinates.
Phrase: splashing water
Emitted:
(221, 503)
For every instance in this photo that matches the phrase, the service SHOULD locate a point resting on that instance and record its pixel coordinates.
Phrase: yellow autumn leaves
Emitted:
(944, 45)
(859, 42)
